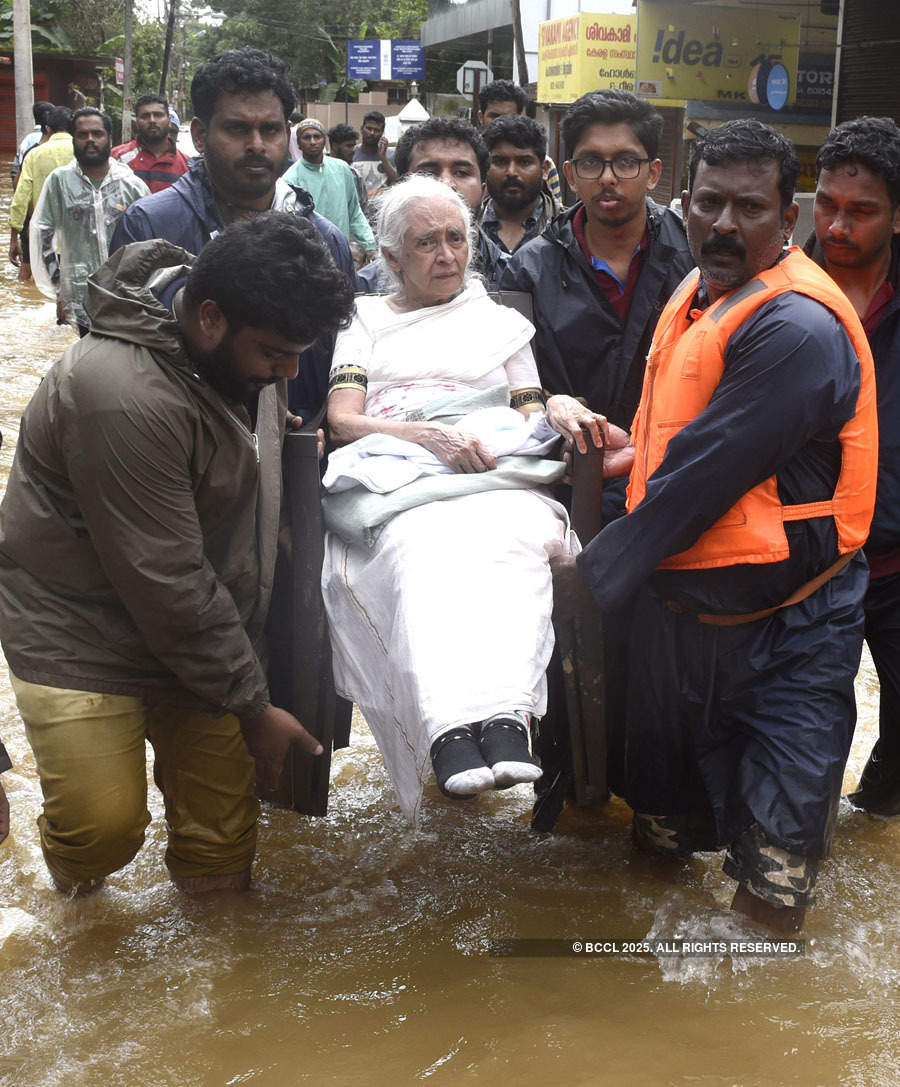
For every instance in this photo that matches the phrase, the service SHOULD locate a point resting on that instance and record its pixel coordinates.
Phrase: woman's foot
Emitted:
(459, 767)
(503, 740)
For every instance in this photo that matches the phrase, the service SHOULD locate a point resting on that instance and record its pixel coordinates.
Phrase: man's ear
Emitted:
(685, 203)
(545, 169)
(569, 171)
(211, 323)
(654, 170)
(479, 119)
(198, 134)
(790, 221)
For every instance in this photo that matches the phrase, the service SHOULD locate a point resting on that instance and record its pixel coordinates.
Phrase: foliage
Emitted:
(89, 23)
(46, 29)
(147, 43)
(311, 35)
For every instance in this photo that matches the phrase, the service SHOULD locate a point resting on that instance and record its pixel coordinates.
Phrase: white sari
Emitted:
(446, 619)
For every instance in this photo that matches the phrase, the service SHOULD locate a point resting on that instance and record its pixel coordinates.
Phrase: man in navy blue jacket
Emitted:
(242, 100)
(857, 240)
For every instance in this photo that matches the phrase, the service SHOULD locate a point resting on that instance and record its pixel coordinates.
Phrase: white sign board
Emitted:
(465, 76)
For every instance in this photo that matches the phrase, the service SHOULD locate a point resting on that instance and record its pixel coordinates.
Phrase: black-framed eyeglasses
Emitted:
(624, 167)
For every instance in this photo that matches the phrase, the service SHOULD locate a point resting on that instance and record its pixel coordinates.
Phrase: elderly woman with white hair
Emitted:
(436, 576)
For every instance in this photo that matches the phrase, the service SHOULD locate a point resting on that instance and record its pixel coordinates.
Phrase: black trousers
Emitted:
(882, 607)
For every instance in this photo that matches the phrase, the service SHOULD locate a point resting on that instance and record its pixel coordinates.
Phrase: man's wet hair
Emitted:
(273, 271)
(521, 132)
(150, 100)
(613, 107)
(502, 90)
(747, 140)
(342, 133)
(873, 142)
(452, 129)
(58, 119)
(240, 71)
(91, 111)
(39, 112)
(375, 115)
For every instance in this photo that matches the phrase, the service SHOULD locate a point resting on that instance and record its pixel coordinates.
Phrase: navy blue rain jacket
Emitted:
(581, 346)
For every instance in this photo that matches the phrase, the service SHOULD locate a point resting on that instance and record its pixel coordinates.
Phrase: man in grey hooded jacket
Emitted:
(137, 547)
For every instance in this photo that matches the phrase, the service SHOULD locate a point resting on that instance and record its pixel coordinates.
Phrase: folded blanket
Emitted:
(375, 478)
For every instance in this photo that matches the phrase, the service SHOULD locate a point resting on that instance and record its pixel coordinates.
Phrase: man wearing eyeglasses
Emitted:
(601, 272)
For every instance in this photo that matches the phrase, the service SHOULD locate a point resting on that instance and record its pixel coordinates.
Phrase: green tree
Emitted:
(311, 35)
(47, 32)
(147, 43)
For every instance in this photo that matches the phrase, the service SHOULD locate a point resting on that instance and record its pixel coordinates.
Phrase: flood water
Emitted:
(363, 953)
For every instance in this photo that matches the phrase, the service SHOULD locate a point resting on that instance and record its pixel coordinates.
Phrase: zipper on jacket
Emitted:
(251, 434)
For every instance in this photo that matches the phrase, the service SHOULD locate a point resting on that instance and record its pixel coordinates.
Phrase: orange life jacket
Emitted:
(684, 366)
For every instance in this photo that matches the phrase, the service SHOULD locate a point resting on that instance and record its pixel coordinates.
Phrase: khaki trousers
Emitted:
(91, 762)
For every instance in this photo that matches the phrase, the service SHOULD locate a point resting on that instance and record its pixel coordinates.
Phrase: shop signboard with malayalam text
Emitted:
(585, 52)
(717, 54)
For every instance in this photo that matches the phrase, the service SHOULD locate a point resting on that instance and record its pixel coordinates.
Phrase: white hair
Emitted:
(394, 206)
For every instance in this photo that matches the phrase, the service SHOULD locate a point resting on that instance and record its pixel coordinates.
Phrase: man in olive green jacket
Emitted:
(137, 549)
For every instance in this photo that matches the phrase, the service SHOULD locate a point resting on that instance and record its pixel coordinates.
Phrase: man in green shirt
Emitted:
(329, 181)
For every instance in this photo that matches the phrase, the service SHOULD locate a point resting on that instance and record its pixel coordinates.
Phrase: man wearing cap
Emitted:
(329, 181)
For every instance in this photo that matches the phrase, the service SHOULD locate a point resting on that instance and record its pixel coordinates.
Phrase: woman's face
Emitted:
(432, 261)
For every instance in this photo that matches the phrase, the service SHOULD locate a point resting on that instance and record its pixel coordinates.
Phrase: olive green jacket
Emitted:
(139, 527)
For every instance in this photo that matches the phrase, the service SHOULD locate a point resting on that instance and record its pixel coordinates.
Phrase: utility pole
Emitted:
(519, 42)
(24, 71)
(126, 81)
(170, 30)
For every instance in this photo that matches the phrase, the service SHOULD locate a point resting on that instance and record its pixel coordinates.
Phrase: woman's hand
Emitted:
(460, 451)
(574, 421)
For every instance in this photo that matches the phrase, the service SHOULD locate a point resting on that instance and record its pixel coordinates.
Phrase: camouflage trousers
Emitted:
(766, 870)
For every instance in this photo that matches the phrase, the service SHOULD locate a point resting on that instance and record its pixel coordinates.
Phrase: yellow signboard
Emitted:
(585, 52)
(717, 54)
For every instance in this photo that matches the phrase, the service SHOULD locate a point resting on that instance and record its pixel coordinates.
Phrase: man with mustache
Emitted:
(241, 100)
(857, 240)
(601, 272)
(152, 153)
(518, 208)
(738, 565)
(79, 207)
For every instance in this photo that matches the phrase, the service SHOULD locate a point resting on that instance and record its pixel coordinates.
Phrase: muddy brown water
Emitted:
(363, 953)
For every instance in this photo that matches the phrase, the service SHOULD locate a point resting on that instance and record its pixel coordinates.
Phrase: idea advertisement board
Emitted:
(717, 54)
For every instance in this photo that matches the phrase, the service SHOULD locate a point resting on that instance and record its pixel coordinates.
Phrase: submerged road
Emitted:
(365, 952)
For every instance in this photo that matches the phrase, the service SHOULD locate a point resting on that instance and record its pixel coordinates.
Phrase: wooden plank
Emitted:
(300, 648)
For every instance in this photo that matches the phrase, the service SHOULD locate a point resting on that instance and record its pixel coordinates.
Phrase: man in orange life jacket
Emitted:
(739, 561)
